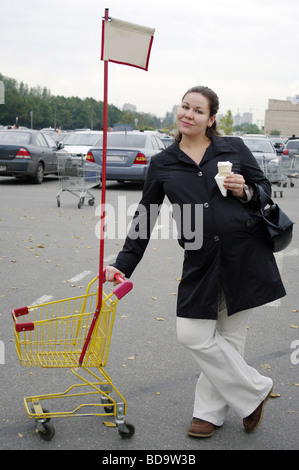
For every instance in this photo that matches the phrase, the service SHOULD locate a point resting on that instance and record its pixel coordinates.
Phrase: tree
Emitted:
(275, 132)
(62, 112)
(247, 128)
(226, 123)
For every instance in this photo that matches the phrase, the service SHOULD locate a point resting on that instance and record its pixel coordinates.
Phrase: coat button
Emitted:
(216, 238)
(248, 222)
(206, 205)
(199, 173)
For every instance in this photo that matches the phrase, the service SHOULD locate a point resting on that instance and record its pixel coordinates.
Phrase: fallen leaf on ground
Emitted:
(108, 424)
(294, 326)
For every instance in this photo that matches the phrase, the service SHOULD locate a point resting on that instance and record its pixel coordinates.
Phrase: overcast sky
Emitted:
(246, 50)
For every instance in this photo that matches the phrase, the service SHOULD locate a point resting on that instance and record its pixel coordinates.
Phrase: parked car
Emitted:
(27, 153)
(79, 142)
(260, 147)
(128, 154)
(278, 144)
(256, 136)
(291, 148)
(167, 139)
(266, 156)
(58, 136)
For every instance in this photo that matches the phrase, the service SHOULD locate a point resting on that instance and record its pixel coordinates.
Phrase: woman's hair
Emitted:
(213, 104)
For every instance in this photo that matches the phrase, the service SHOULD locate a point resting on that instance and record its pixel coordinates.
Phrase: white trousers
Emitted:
(226, 379)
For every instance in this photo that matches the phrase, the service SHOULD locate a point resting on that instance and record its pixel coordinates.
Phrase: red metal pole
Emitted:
(104, 159)
(103, 198)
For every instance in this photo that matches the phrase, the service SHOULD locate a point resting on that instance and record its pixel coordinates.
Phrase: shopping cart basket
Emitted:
(52, 335)
(275, 172)
(293, 169)
(77, 176)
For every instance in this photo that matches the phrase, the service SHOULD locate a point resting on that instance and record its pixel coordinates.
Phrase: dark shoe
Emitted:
(201, 428)
(252, 422)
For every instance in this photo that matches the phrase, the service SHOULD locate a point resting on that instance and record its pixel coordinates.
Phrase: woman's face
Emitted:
(193, 116)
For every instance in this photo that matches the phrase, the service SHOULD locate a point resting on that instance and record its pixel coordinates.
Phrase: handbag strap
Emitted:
(263, 197)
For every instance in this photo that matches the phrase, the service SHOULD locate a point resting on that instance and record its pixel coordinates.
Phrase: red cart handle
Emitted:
(123, 288)
(25, 326)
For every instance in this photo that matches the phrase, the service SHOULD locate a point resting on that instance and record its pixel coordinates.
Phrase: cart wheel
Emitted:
(81, 202)
(45, 420)
(128, 433)
(91, 202)
(48, 432)
(58, 202)
(107, 408)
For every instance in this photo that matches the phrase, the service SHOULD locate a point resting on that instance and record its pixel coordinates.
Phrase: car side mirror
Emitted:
(59, 145)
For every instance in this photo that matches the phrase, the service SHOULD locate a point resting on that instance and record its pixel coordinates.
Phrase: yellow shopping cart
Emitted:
(53, 335)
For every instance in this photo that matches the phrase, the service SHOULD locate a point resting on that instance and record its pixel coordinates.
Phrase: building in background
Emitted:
(282, 116)
(129, 107)
(245, 118)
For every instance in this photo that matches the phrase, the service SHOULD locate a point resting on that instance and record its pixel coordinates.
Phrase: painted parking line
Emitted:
(109, 258)
(41, 300)
(80, 276)
(47, 298)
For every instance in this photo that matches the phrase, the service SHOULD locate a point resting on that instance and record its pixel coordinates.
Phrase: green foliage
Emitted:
(247, 128)
(275, 132)
(60, 111)
(226, 123)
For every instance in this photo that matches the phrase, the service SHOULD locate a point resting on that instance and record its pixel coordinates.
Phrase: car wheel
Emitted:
(39, 174)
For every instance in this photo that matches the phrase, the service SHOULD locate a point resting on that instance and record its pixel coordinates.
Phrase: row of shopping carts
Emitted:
(77, 176)
(280, 172)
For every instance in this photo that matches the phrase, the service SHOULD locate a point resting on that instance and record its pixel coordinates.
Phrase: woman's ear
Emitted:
(212, 120)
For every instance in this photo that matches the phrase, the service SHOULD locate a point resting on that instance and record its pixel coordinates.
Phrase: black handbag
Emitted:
(278, 226)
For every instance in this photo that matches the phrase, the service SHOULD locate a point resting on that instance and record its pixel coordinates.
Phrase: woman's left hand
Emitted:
(235, 184)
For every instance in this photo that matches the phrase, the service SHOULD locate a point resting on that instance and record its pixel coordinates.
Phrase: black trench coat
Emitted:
(234, 250)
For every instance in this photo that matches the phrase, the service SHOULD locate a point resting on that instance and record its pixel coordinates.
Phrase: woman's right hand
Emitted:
(110, 272)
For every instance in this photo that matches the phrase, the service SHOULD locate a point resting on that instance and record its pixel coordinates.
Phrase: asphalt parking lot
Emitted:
(50, 253)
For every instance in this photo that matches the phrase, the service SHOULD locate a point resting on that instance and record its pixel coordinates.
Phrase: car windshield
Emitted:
(293, 144)
(15, 138)
(82, 139)
(259, 145)
(123, 140)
